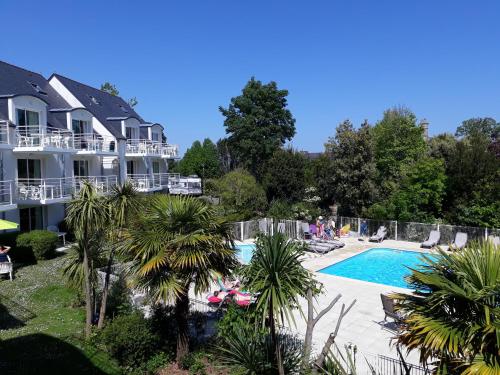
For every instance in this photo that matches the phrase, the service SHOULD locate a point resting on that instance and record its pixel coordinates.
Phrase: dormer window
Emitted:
(94, 100)
(37, 88)
(123, 108)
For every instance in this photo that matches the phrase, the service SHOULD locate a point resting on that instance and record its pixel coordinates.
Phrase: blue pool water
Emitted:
(382, 266)
(245, 252)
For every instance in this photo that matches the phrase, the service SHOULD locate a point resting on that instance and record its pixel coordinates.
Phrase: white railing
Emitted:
(185, 186)
(169, 151)
(161, 178)
(103, 184)
(144, 182)
(146, 147)
(245, 230)
(35, 136)
(94, 143)
(39, 189)
(6, 192)
(4, 133)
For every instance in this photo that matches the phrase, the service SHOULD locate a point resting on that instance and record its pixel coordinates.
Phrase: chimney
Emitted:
(424, 124)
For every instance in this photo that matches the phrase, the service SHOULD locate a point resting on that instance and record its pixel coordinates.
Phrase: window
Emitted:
(30, 218)
(80, 126)
(123, 108)
(80, 168)
(29, 169)
(129, 133)
(156, 137)
(156, 167)
(130, 167)
(28, 121)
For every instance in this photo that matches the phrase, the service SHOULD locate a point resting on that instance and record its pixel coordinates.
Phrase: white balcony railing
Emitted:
(33, 136)
(6, 193)
(103, 184)
(4, 133)
(44, 189)
(186, 186)
(91, 142)
(144, 182)
(146, 147)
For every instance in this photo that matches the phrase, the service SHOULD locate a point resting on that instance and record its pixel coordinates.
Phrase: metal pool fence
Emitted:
(416, 232)
(396, 230)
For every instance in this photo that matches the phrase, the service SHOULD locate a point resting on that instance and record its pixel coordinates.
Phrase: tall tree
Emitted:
(284, 176)
(258, 123)
(352, 171)
(178, 243)
(110, 88)
(200, 159)
(486, 126)
(398, 142)
(87, 214)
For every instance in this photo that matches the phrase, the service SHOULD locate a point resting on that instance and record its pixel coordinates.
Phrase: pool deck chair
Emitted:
(460, 241)
(432, 241)
(7, 267)
(380, 235)
(389, 310)
(53, 228)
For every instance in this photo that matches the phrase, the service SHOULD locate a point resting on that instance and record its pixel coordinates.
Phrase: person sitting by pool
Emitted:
(320, 225)
(3, 253)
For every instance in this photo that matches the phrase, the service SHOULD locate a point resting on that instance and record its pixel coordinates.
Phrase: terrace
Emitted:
(103, 184)
(44, 190)
(7, 196)
(146, 147)
(95, 144)
(146, 183)
(33, 138)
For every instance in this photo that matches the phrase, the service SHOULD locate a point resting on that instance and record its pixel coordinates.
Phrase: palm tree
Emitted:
(177, 243)
(455, 314)
(123, 203)
(87, 214)
(277, 275)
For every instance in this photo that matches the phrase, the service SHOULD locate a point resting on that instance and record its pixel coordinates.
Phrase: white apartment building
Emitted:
(55, 133)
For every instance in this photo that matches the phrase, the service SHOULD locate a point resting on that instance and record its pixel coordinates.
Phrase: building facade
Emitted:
(55, 133)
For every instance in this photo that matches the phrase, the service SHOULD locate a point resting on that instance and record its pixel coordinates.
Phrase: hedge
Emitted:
(41, 243)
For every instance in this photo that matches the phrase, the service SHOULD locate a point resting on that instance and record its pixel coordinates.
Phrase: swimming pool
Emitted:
(380, 265)
(245, 252)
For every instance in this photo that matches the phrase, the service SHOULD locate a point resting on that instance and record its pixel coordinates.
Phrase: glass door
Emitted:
(30, 169)
(80, 168)
(30, 218)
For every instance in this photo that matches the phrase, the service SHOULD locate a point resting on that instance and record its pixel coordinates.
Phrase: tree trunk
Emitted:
(274, 338)
(181, 316)
(309, 330)
(88, 295)
(105, 290)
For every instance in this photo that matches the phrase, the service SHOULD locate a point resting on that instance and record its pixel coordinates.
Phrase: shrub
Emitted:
(158, 361)
(42, 243)
(130, 340)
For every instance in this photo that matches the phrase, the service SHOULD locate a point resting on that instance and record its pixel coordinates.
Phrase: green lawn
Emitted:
(41, 330)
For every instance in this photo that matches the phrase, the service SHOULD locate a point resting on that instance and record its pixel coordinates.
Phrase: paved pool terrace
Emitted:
(364, 325)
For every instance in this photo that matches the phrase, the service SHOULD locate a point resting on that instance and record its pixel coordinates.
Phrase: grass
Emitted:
(41, 329)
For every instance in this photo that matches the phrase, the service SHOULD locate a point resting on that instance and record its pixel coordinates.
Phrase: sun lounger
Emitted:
(6, 267)
(389, 308)
(460, 241)
(306, 231)
(380, 235)
(433, 239)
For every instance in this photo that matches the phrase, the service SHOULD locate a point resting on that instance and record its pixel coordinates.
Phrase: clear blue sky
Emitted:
(338, 59)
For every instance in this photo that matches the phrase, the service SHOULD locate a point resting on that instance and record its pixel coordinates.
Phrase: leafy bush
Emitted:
(41, 243)
(195, 363)
(157, 361)
(130, 340)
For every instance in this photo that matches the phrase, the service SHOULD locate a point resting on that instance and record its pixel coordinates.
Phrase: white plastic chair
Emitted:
(53, 228)
(6, 267)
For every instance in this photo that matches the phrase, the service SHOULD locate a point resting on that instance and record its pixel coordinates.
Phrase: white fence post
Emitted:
(359, 226)
(396, 234)
(486, 234)
(272, 227)
(242, 228)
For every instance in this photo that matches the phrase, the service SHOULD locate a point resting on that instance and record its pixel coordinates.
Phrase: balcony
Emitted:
(103, 184)
(6, 196)
(146, 147)
(44, 140)
(5, 135)
(95, 144)
(185, 186)
(44, 190)
(145, 183)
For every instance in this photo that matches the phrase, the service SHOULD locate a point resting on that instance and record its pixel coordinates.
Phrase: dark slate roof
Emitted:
(16, 81)
(107, 108)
